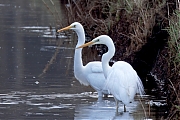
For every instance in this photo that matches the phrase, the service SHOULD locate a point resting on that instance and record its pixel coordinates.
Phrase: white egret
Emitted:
(122, 80)
(92, 73)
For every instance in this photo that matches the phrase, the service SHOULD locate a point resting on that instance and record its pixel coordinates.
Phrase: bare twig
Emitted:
(78, 7)
(149, 109)
(174, 89)
(174, 112)
(50, 10)
(58, 18)
(50, 62)
(143, 108)
(97, 20)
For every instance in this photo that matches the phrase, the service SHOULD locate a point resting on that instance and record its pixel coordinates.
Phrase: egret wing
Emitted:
(96, 67)
(95, 75)
(122, 82)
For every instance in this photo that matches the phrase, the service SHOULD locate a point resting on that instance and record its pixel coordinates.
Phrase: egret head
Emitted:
(102, 39)
(76, 26)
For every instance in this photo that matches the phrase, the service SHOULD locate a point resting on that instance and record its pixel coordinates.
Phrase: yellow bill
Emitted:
(66, 28)
(85, 45)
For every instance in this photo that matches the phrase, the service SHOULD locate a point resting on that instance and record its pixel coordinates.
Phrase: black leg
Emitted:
(124, 108)
(117, 105)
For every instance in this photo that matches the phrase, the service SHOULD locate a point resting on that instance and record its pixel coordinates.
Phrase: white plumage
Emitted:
(122, 80)
(92, 73)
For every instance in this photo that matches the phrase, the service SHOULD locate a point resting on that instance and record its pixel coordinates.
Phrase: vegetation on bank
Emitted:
(174, 41)
(145, 32)
(174, 65)
(131, 20)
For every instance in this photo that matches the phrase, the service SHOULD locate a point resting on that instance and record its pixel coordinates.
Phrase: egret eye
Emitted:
(74, 26)
(97, 40)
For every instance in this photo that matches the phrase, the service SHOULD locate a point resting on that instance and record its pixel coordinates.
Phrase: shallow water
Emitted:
(27, 43)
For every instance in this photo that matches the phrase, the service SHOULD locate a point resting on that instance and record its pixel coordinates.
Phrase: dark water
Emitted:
(27, 43)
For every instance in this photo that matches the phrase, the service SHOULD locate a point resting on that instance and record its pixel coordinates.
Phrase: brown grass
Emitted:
(137, 19)
(174, 65)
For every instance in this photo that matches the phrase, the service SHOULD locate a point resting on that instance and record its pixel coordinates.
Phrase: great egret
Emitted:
(122, 80)
(92, 73)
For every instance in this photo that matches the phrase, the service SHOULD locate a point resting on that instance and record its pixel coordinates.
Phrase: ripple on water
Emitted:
(39, 104)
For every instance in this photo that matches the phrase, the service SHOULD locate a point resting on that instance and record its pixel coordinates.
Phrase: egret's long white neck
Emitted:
(78, 64)
(107, 56)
